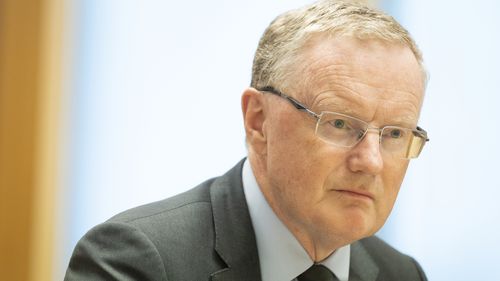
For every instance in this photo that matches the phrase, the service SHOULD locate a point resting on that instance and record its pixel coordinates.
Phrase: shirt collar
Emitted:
(281, 256)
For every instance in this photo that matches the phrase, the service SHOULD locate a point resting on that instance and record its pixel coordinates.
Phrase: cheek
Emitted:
(290, 148)
(298, 166)
(387, 203)
(392, 178)
(302, 162)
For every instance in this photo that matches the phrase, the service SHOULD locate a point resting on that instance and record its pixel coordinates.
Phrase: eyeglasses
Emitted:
(347, 131)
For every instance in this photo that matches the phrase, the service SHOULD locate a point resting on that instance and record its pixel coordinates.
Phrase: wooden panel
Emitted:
(27, 137)
(18, 96)
(45, 230)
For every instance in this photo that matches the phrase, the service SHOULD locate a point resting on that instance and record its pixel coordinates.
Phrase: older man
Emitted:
(331, 123)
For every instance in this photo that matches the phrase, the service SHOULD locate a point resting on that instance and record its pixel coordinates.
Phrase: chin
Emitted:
(359, 227)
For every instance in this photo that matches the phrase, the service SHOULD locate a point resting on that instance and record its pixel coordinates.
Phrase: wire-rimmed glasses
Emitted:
(347, 131)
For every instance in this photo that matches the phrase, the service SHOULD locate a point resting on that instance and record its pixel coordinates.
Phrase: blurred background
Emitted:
(109, 104)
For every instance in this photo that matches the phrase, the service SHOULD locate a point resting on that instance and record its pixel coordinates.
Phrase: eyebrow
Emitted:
(338, 104)
(405, 121)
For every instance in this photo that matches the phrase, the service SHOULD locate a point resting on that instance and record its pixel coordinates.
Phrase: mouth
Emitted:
(360, 194)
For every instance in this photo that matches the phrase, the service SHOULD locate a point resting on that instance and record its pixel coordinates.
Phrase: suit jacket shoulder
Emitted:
(373, 259)
(185, 237)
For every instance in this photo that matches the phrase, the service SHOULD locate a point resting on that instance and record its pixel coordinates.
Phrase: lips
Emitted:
(362, 194)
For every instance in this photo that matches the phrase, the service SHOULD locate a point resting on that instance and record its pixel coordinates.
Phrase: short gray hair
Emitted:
(281, 42)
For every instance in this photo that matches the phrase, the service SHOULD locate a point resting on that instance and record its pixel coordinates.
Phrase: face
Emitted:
(329, 196)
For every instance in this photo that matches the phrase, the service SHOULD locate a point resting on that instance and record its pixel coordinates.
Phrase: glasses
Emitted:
(347, 131)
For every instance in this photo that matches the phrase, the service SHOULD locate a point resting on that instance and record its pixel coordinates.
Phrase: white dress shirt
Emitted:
(281, 256)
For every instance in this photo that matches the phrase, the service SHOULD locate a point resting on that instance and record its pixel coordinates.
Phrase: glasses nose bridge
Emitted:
(374, 129)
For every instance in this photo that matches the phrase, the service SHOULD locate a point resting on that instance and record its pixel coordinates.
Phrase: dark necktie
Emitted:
(317, 272)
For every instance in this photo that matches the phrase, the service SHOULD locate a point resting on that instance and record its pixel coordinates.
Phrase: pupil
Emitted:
(339, 123)
(395, 133)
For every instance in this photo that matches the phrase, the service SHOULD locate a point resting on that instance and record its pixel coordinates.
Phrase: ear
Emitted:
(254, 118)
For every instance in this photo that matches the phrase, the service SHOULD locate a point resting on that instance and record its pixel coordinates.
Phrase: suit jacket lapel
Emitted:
(362, 267)
(234, 235)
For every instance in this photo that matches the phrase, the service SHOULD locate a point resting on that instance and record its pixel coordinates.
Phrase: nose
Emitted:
(366, 156)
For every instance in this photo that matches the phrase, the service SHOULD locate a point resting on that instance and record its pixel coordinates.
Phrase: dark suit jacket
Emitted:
(204, 234)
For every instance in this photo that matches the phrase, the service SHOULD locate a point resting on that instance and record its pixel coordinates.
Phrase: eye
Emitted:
(338, 123)
(396, 133)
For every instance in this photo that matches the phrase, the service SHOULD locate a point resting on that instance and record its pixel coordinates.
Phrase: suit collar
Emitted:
(234, 235)
(363, 268)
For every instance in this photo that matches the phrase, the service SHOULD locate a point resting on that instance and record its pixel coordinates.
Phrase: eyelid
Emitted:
(344, 115)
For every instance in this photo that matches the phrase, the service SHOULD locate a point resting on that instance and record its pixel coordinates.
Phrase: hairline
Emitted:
(296, 57)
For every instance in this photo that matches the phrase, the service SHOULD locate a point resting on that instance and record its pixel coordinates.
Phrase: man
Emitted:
(331, 123)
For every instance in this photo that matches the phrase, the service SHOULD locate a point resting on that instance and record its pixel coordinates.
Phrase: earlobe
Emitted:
(254, 113)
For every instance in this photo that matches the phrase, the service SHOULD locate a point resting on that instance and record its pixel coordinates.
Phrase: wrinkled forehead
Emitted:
(366, 75)
(378, 67)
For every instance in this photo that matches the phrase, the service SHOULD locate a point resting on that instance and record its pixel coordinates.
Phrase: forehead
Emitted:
(362, 77)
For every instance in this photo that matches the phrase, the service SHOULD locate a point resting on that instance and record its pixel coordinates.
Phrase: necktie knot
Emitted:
(317, 272)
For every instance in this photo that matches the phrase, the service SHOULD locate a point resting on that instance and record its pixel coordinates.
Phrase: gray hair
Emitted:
(280, 45)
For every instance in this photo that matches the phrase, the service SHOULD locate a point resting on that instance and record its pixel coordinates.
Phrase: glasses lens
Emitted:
(345, 131)
(402, 142)
(340, 129)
